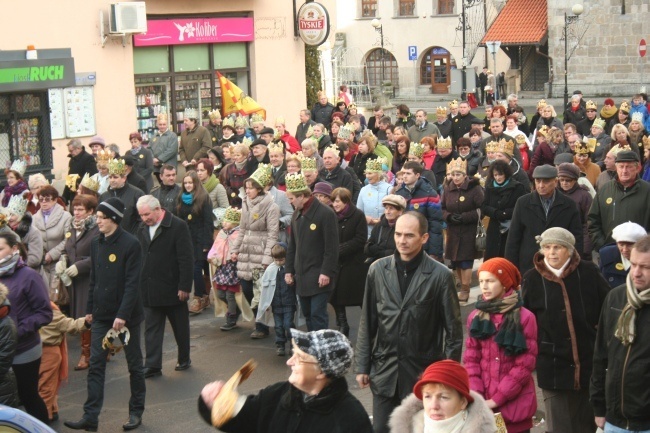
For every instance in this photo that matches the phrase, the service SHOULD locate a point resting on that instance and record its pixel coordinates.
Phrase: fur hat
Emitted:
(324, 188)
(558, 236)
(331, 348)
(505, 271)
(627, 232)
(112, 208)
(568, 170)
(446, 372)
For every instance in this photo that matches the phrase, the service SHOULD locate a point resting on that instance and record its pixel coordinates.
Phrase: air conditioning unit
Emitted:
(128, 17)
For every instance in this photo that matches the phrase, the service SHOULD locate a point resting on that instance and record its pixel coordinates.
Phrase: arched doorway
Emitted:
(380, 66)
(435, 69)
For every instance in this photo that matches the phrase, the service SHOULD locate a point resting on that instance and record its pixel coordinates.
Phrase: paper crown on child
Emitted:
(458, 164)
(444, 143)
(90, 183)
(376, 165)
(296, 182)
(346, 132)
(417, 150)
(280, 121)
(506, 147)
(103, 156)
(541, 103)
(117, 167)
(263, 175)
(232, 215)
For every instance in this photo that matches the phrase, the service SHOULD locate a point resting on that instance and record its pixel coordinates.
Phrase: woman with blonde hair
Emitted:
(366, 148)
(549, 118)
(234, 174)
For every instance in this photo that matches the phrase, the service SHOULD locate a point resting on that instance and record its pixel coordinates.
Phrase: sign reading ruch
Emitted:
(18, 75)
(196, 31)
(313, 23)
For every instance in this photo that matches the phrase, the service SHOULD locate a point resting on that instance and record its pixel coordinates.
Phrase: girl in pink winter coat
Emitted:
(502, 346)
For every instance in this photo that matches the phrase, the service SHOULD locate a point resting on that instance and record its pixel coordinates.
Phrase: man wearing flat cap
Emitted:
(624, 198)
(315, 399)
(543, 208)
(259, 155)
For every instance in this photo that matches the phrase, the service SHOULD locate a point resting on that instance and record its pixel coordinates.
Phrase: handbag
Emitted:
(58, 291)
(481, 239)
(500, 422)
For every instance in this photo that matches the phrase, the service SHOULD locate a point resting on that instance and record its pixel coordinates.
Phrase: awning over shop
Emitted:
(521, 22)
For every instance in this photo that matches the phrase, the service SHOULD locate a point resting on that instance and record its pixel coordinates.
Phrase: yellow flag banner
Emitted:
(234, 100)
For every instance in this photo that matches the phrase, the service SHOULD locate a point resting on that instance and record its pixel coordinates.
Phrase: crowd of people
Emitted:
(385, 215)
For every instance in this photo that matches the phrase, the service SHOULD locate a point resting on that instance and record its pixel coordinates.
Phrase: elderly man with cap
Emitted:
(568, 175)
(314, 399)
(615, 258)
(195, 139)
(128, 194)
(114, 303)
(566, 295)
(621, 379)
(620, 200)
(382, 238)
(259, 155)
(267, 134)
(81, 162)
(535, 212)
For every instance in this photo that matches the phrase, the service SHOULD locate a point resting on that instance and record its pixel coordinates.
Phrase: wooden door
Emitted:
(440, 76)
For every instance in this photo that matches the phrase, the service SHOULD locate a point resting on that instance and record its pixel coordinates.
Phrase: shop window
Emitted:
(368, 8)
(228, 56)
(380, 68)
(151, 60)
(191, 58)
(445, 7)
(406, 8)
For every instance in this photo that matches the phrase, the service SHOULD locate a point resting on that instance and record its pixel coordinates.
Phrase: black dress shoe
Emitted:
(55, 416)
(183, 366)
(133, 422)
(152, 372)
(82, 424)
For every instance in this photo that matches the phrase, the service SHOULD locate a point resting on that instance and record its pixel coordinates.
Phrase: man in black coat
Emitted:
(461, 124)
(336, 175)
(169, 190)
(303, 126)
(496, 134)
(544, 208)
(322, 111)
(312, 253)
(132, 177)
(114, 302)
(81, 162)
(128, 194)
(166, 282)
(482, 82)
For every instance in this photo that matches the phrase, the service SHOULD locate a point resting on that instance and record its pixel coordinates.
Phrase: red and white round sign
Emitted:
(313, 23)
(642, 48)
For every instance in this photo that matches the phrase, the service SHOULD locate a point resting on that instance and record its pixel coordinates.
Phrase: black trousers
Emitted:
(27, 383)
(382, 407)
(154, 331)
(97, 371)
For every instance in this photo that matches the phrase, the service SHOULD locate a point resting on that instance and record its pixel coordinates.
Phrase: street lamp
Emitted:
(577, 10)
(380, 29)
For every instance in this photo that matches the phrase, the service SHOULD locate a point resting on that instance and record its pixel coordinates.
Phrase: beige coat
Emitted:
(258, 232)
(53, 235)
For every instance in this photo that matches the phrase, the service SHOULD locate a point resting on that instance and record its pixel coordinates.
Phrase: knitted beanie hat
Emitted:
(506, 272)
(331, 348)
(446, 372)
(558, 236)
(112, 208)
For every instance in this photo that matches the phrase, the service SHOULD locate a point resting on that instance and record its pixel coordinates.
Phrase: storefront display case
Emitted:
(152, 99)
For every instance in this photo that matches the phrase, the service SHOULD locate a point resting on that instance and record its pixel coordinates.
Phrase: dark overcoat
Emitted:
(499, 204)
(353, 231)
(465, 200)
(78, 251)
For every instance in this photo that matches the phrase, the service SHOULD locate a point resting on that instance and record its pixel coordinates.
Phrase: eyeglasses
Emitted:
(45, 199)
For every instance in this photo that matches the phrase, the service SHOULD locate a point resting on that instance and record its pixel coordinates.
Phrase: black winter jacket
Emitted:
(80, 164)
(129, 195)
(280, 408)
(167, 196)
(8, 339)
(382, 240)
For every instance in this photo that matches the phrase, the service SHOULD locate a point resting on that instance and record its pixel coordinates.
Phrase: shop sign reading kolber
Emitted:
(313, 23)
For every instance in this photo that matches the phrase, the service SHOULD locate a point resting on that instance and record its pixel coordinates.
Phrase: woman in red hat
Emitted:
(443, 403)
(502, 346)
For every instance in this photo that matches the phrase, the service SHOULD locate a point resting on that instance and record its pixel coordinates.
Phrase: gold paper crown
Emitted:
(339, 100)
(280, 121)
(310, 131)
(492, 146)
(591, 105)
(17, 206)
(441, 111)
(246, 142)
(458, 164)
(228, 121)
(646, 143)
(117, 167)
(618, 148)
(276, 134)
(103, 156)
(453, 104)
(544, 131)
(296, 182)
(307, 163)
(332, 148)
(19, 166)
(346, 132)
(232, 215)
(262, 176)
(444, 143)
(506, 146)
(71, 182)
(90, 183)
(241, 122)
(214, 114)
(587, 146)
(257, 118)
(600, 123)
(376, 165)
(416, 149)
(637, 117)
(520, 138)
(541, 103)
(625, 106)
(191, 113)
(276, 147)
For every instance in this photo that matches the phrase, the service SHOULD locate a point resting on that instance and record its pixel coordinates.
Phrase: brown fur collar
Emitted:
(543, 270)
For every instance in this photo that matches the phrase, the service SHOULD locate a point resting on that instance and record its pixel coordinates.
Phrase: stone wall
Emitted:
(606, 61)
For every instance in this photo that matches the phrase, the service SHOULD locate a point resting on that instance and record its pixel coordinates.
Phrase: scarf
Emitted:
(187, 198)
(136, 150)
(510, 336)
(454, 424)
(211, 183)
(500, 185)
(344, 212)
(557, 272)
(607, 112)
(10, 191)
(240, 165)
(574, 109)
(626, 326)
(8, 264)
(84, 224)
(4, 311)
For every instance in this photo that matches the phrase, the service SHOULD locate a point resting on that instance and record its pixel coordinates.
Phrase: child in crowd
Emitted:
(280, 296)
(225, 276)
(502, 346)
